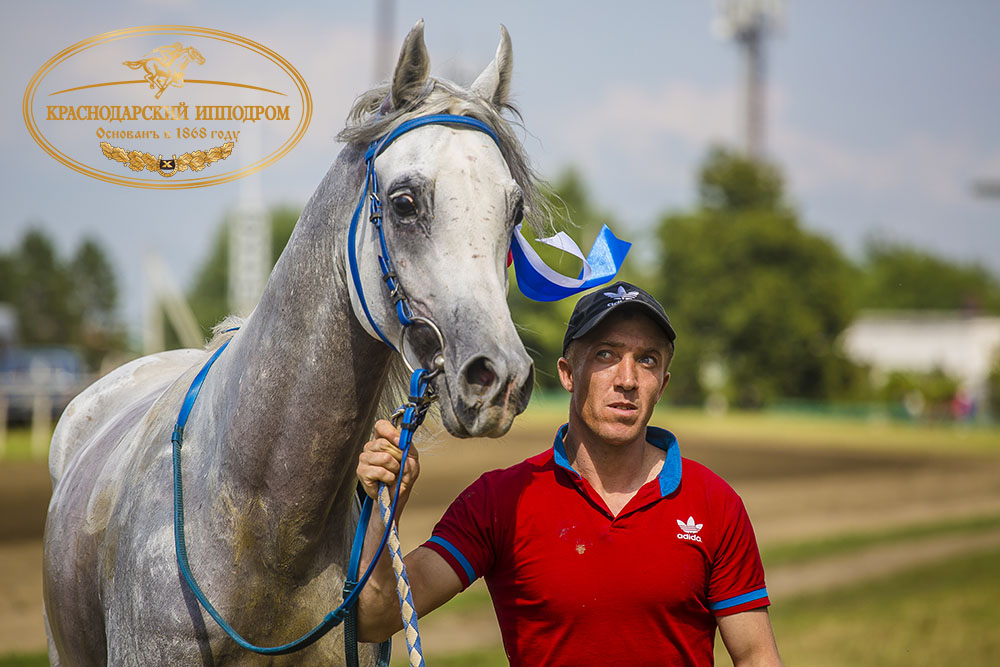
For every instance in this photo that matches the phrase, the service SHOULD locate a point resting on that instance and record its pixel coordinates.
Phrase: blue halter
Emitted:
(375, 216)
(412, 412)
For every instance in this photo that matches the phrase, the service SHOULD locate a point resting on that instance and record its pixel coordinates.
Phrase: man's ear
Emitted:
(565, 373)
(666, 379)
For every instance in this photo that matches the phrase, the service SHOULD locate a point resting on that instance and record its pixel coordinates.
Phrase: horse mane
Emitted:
(223, 331)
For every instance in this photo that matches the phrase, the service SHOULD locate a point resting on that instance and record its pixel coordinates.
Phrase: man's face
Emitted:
(616, 373)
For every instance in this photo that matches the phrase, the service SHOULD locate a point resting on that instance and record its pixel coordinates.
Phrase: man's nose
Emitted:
(626, 373)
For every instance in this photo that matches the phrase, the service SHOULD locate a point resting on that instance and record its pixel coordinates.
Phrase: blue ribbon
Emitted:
(540, 283)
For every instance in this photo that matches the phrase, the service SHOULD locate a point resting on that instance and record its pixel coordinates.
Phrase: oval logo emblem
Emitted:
(167, 107)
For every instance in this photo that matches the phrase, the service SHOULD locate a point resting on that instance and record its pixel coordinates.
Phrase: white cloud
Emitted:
(633, 121)
(631, 116)
(920, 165)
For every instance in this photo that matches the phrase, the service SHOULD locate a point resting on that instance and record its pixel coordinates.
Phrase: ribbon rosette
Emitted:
(539, 282)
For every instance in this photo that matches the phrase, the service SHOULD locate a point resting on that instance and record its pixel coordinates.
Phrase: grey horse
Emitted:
(272, 442)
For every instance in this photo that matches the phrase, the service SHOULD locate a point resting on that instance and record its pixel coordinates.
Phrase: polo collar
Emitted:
(670, 475)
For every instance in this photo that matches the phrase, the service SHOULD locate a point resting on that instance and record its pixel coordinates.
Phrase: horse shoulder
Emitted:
(109, 397)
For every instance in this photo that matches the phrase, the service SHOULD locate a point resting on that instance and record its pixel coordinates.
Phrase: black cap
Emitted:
(594, 307)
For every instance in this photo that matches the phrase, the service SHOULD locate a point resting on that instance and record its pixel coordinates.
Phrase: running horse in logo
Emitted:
(165, 66)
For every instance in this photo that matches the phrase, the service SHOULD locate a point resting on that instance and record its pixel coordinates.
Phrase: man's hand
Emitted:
(380, 461)
(432, 580)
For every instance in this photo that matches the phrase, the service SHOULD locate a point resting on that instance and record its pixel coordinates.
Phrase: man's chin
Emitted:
(621, 434)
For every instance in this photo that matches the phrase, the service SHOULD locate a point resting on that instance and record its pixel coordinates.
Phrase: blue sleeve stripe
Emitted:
(739, 599)
(450, 548)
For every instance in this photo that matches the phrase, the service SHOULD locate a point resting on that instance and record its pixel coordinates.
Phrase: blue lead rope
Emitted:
(414, 416)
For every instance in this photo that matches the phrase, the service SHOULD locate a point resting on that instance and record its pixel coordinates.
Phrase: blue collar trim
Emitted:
(670, 474)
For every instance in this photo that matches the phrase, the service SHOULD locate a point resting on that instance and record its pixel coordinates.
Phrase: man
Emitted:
(608, 548)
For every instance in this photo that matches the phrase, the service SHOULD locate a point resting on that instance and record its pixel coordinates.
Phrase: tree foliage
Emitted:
(63, 302)
(900, 277)
(749, 291)
(542, 325)
(208, 296)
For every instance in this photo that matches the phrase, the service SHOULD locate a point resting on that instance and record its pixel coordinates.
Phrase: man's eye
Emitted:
(404, 206)
(604, 354)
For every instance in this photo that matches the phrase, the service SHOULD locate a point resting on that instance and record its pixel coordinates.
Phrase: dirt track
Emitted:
(792, 494)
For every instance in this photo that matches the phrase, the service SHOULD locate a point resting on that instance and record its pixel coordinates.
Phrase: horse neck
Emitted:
(302, 381)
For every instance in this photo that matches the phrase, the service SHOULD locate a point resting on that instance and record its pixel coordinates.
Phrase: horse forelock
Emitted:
(369, 120)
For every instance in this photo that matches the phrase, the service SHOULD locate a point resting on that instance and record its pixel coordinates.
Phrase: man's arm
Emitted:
(749, 638)
(432, 581)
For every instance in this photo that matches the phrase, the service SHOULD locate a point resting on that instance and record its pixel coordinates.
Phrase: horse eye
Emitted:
(404, 206)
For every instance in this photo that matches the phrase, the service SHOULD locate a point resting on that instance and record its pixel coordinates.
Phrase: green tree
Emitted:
(900, 277)
(750, 291)
(993, 389)
(208, 295)
(95, 298)
(60, 302)
(542, 325)
(41, 291)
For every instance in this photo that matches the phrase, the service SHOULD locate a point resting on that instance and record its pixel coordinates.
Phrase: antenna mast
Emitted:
(749, 22)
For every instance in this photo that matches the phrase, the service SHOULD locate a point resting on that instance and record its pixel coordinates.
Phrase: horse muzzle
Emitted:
(486, 392)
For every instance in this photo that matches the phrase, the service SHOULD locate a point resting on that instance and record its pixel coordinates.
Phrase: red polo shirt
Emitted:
(574, 585)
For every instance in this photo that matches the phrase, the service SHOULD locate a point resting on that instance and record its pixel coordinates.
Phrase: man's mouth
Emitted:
(624, 406)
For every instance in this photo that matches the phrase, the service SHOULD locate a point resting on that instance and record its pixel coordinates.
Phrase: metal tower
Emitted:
(249, 239)
(749, 22)
(385, 27)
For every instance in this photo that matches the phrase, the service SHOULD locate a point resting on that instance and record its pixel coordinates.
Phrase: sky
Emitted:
(881, 115)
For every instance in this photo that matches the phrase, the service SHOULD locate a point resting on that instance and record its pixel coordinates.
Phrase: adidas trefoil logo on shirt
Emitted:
(690, 529)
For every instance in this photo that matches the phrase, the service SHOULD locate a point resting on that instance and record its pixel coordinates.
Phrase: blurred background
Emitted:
(812, 191)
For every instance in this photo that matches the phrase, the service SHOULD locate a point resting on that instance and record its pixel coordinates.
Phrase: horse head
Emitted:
(450, 197)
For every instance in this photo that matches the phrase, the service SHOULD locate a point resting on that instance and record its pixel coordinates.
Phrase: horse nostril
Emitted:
(527, 386)
(479, 375)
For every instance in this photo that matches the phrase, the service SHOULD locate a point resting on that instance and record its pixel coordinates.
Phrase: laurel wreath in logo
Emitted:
(167, 167)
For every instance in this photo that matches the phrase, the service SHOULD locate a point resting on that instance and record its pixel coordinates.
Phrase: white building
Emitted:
(962, 346)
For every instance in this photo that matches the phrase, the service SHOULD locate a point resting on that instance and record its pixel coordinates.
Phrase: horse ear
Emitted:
(412, 69)
(494, 83)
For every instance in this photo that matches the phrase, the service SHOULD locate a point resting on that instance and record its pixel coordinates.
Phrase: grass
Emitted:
(474, 659)
(798, 429)
(944, 614)
(809, 430)
(25, 660)
(800, 552)
(835, 625)
(17, 446)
